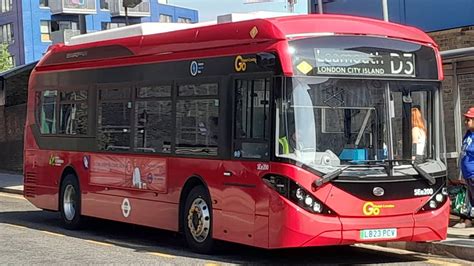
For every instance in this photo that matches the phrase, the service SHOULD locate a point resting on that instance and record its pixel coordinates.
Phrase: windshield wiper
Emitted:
(389, 168)
(431, 180)
(330, 176)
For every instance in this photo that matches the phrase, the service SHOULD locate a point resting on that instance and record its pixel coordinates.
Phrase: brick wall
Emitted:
(454, 38)
(12, 121)
(3, 130)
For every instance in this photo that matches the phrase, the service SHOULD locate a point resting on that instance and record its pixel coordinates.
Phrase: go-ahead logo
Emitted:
(372, 209)
(240, 63)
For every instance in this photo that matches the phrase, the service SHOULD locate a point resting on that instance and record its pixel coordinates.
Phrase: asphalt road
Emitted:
(31, 236)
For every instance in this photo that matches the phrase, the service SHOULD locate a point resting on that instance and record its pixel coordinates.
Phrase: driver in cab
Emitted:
(290, 145)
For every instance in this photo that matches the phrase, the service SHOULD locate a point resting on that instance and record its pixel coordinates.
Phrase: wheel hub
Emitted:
(69, 202)
(199, 221)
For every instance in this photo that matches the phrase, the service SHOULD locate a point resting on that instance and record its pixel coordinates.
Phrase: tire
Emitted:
(197, 221)
(70, 203)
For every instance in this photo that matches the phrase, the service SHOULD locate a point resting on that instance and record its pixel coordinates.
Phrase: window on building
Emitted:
(45, 29)
(6, 5)
(44, 3)
(184, 20)
(64, 25)
(104, 4)
(166, 18)
(6, 33)
(112, 25)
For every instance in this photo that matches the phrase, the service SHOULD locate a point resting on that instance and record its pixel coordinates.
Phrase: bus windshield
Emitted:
(327, 123)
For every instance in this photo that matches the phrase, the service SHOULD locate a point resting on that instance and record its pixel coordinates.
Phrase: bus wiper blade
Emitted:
(330, 176)
(431, 180)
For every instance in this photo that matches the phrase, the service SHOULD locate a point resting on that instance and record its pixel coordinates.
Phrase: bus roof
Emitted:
(147, 38)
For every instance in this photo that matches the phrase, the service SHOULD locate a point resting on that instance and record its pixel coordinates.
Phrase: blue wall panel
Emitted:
(32, 15)
(429, 15)
(185, 13)
(434, 15)
(12, 17)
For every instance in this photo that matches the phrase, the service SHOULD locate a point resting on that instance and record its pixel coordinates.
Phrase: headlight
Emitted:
(317, 207)
(308, 201)
(296, 194)
(299, 194)
(437, 200)
(439, 197)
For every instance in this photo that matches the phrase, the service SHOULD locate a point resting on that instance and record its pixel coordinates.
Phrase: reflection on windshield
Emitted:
(326, 123)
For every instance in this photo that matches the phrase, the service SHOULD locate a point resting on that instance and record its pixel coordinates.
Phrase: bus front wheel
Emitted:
(70, 202)
(198, 220)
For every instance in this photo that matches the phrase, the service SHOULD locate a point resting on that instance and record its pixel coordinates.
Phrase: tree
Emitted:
(5, 58)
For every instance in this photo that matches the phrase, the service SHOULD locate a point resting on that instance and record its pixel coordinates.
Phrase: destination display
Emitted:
(355, 63)
(364, 57)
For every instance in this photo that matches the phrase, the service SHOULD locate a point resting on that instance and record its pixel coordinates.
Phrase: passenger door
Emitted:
(249, 159)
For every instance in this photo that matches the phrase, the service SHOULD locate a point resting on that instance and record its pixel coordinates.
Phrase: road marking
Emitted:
(17, 226)
(440, 262)
(126, 244)
(51, 233)
(13, 196)
(99, 243)
(212, 264)
(163, 255)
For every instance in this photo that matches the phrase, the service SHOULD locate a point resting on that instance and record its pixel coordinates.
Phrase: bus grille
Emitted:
(30, 184)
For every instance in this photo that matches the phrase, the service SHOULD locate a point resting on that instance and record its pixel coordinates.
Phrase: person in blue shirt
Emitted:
(467, 163)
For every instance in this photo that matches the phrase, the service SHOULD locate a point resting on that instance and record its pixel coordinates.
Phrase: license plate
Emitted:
(378, 233)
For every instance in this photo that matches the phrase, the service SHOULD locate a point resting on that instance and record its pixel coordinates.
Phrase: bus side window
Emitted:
(47, 112)
(252, 119)
(73, 112)
(153, 119)
(197, 119)
(113, 132)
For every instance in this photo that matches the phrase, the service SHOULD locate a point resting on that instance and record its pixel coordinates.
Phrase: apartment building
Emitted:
(30, 26)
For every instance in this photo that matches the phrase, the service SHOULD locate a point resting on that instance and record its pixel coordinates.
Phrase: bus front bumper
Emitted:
(295, 227)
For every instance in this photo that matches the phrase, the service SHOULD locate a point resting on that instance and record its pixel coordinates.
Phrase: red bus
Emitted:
(294, 131)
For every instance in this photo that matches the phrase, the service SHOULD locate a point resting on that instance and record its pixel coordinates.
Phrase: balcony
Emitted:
(63, 36)
(73, 6)
(117, 9)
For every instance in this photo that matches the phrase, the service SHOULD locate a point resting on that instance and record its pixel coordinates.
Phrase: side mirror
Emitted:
(266, 60)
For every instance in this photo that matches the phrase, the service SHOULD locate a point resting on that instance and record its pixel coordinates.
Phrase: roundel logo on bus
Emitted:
(372, 209)
(240, 63)
(196, 68)
(126, 207)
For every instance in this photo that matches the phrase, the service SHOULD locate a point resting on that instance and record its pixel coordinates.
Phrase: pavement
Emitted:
(459, 243)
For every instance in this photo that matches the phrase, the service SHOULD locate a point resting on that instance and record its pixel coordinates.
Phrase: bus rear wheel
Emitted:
(70, 202)
(198, 221)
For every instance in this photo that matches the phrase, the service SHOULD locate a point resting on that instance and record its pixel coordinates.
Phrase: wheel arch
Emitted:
(191, 182)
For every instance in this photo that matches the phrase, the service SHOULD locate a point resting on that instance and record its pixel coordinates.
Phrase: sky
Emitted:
(210, 9)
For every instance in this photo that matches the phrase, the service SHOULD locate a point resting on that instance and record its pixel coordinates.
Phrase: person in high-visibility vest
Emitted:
(288, 146)
(285, 146)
